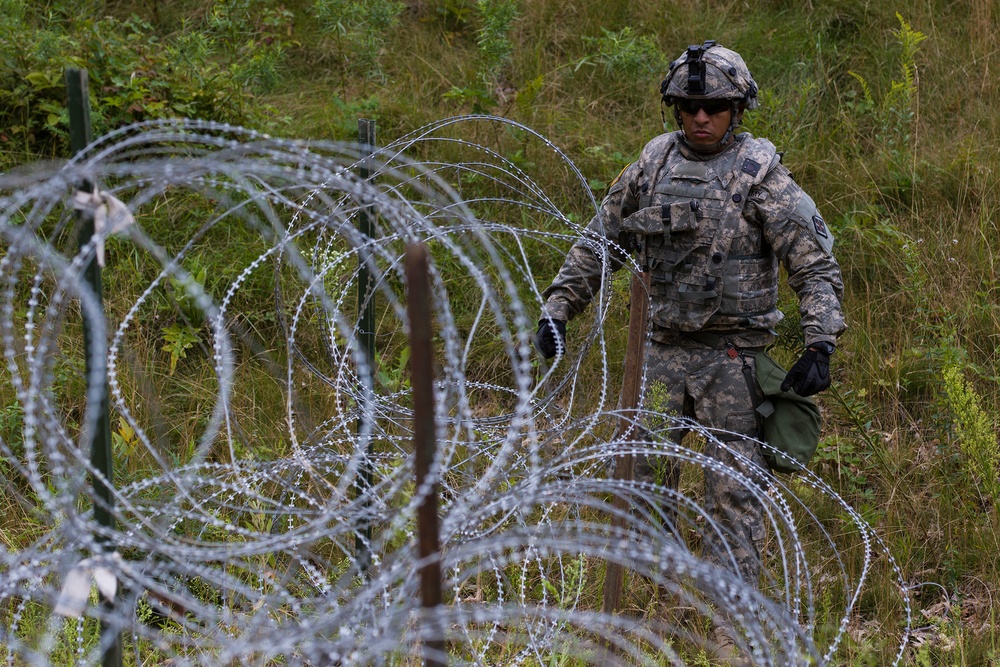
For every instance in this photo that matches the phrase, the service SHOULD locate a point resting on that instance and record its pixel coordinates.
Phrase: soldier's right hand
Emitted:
(551, 337)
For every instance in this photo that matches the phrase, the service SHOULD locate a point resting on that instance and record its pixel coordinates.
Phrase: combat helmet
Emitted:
(710, 71)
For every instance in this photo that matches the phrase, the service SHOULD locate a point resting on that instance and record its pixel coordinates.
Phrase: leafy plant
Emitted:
(345, 121)
(177, 340)
(359, 27)
(394, 379)
(493, 38)
(455, 15)
(479, 98)
(974, 429)
(124, 438)
(495, 48)
(11, 423)
(895, 110)
(886, 125)
(623, 53)
(184, 293)
(134, 75)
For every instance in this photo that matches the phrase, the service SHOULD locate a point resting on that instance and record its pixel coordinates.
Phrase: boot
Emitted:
(724, 649)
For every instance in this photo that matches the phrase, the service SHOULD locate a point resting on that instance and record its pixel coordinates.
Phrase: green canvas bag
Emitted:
(791, 423)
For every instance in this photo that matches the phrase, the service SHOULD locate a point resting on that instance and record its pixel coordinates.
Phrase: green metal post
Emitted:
(366, 339)
(78, 103)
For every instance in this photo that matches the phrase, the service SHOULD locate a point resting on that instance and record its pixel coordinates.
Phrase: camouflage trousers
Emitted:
(709, 386)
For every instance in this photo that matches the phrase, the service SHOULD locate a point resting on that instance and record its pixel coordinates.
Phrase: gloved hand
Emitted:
(551, 337)
(811, 373)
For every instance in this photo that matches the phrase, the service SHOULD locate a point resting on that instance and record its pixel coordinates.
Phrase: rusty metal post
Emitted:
(418, 307)
(614, 578)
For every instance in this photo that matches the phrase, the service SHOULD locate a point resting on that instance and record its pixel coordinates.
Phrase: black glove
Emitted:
(551, 337)
(811, 373)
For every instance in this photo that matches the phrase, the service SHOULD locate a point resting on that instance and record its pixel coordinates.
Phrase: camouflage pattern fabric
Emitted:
(708, 385)
(726, 77)
(776, 217)
(671, 207)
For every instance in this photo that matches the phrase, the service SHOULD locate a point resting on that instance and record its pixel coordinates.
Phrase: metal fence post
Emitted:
(78, 104)
(424, 444)
(614, 578)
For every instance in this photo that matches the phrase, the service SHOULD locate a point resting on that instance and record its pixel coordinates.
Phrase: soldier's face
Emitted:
(704, 129)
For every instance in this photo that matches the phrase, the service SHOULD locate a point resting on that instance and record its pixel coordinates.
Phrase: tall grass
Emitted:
(888, 119)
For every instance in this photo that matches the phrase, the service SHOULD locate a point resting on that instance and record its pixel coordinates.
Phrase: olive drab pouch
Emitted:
(791, 423)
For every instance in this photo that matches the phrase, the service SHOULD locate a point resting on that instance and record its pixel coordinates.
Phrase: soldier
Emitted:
(711, 213)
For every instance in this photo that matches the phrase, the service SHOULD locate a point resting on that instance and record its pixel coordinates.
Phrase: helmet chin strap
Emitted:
(734, 122)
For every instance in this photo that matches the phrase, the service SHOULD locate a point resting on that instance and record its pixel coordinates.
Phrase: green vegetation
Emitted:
(888, 119)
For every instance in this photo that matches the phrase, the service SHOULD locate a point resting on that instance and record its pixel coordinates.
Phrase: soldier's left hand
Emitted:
(811, 373)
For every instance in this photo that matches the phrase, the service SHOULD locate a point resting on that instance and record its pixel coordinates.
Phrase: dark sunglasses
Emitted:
(711, 107)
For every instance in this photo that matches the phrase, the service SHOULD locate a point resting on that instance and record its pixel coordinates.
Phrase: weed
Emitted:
(11, 423)
(177, 340)
(480, 99)
(495, 45)
(123, 439)
(359, 28)
(895, 112)
(625, 54)
(887, 125)
(974, 429)
(495, 48)
(134, 74)
(394, 379)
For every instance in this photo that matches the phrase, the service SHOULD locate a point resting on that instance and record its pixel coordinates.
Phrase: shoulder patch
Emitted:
(807, 216)
(750, 167)
(820, 227)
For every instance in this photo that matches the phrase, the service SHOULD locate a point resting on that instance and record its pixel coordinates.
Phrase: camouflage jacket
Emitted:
(711, 231)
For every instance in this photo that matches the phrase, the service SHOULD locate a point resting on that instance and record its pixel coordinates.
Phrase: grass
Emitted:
(906, 178)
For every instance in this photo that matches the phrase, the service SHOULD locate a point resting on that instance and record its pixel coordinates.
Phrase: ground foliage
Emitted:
(886, 118)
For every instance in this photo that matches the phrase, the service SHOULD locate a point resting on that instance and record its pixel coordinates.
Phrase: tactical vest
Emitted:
(704, 257)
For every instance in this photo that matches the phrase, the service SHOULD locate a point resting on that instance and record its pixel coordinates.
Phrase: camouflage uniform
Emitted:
(712, 230)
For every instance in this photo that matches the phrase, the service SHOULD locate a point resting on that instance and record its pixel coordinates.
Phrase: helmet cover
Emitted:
(710, 71)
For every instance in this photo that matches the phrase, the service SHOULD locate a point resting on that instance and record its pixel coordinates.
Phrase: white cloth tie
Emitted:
(76, 588)
(110, 214)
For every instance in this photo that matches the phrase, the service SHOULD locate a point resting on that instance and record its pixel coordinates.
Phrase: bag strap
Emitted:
(761, 404)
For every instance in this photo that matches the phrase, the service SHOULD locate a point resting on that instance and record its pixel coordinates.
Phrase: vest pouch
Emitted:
(665, 260)
(745, 293)
(647, 221)
(791, 423)
(683, 216)
(731, 295)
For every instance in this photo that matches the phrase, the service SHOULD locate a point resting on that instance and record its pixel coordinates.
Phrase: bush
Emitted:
(624, 53)
(359, 29)
(134, 76)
